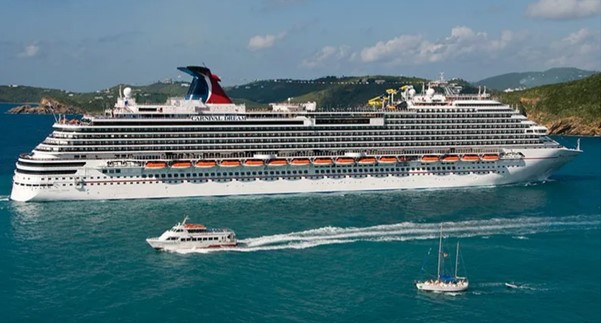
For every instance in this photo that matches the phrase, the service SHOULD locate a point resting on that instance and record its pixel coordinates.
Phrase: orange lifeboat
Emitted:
(322, 161)
(450, 159)
(254, 163)
(155, 164)
(387, 160)
(367, 161)
(230, 163)
(181, 164)
(470, 158)
(430, 159)
(205, 163)
(490, 157)
(300, 162)
(344, 161)
(277, 162)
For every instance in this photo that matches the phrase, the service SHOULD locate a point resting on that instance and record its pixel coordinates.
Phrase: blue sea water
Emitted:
(309, 257)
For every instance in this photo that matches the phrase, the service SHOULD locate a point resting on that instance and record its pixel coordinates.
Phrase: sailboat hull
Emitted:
(441, 287)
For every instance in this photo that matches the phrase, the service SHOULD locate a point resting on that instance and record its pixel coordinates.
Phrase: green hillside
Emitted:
(328, 92)
(533, 79)
(575, 105)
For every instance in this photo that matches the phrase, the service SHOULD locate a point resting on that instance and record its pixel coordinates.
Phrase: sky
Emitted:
(87, 45)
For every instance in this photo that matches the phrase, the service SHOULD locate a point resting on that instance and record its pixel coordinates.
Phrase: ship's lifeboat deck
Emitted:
(322, 162)
(230, 163)
(387, 160)
(300, 162)
(470, 158)
(181, 164)
(277, 162)
(366, 161)
(490, 157)
(344, 161)
(254, 163)
(450, 159)
(205, 163)
(155, 164)
(430, 159)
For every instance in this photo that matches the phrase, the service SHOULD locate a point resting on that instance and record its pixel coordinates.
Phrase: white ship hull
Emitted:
(536, 165)
(442, 288)
(188, 245)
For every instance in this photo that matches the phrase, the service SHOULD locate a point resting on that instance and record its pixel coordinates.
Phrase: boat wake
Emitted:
(406, 231)
(488, 288)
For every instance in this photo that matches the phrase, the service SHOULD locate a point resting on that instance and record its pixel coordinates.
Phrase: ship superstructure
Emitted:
(205, 145)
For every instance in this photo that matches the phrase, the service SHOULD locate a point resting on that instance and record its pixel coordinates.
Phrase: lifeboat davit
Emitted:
(430, 159)
(322, 162)
(155, 164)
(450, 159)
(387, 160)
(300, 162)
(181, 164)
(205, 163)
(490, 157)
(277, 162)
(344, 161)
(230, 163)
(470, 158)
(366, 161)
(254, 163)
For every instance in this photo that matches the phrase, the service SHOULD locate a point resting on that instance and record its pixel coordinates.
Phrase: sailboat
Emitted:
(444, 283)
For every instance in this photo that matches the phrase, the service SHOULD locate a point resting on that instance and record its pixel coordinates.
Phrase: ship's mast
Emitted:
(439, 253)
(456, 259)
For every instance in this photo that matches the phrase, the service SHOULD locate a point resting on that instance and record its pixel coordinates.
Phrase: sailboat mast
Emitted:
(439, 253)
(456, 259)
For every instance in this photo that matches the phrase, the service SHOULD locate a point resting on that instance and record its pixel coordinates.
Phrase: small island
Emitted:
(46, 106)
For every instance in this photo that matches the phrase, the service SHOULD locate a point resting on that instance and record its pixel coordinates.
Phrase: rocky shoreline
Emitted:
(46, 106)
(569, 126)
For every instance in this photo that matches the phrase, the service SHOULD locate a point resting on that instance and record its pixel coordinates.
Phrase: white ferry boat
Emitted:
(205, 145)
(184, 236)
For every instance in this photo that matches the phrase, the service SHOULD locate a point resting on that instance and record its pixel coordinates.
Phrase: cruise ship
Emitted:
(205, 145)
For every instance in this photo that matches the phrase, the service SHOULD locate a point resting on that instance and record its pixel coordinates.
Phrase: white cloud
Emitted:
(29, 51)
(581, 48)
(463, 42)
(564, 9)
(327, 55)
(385, 49)
(467, 52)
(259, 42)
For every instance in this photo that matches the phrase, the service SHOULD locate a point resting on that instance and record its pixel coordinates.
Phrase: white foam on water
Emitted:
(518, 228)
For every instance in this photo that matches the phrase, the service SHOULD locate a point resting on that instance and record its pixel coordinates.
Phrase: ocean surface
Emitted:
(308, 257)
